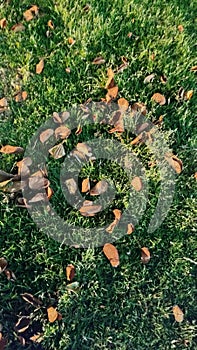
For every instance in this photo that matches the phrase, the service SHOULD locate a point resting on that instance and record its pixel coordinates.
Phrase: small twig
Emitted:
(192, 261)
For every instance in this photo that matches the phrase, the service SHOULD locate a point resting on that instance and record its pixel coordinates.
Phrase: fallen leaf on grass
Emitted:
(99, 188)
(52, 314)
(110, 81)
(85, 187)
(117, 213)
(145, 255)
(62, 132)
(178, 313)
(39, 197)
(3, 102)
(73, 287)
(5, 176)
(130, 229)
(163, 79)
(180, 28)
(117, 121)
(193, 69)
(11, 149)
(57, 151)
(37, 183)
(50, 24)
(31, 13)
(61, 117)
(49, 192)
(40, 67)
(3, 264)
(112, 93)
(22, 324)
(159, 98)
(3, 23)
(18, 27)
(149, 78)
(123, 104)
(20, 96)
(71, 185)
(98, 60)
(174, 162)
(139, 107)
(68, 70)
(37, 338)
(10, 275)
(112, 254)
(90, 210)
(70, 272)
(46, 134)
(188, 95)
(71, 41)
(3, 342)
(84, 149)
(29, 298)
(137, 183)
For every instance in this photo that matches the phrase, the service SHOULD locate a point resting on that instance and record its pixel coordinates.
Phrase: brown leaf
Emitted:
(137, 183)
(195, 175)
(112, 254)
(3, 264)
(37, 183)
(3, 342)
(175, 163)
(18, 27)
(3, 23)
(178, 313)
(188, 95)
(68, 70)
(38, 198)
(30, 13)
(50, 24)
(71, 185)
(10, 275)
(180, 28)
(99, 60)
(52, 314)
(159, 98)
(163, 79)
(40, 67)
(3, 102)
(85, 185)
(29, 298)
(37, 338)
(84, 149)
(111, 227)
(49, 192)
(70, 272)
(112, 93)
(123, 104)
(145, 255)
(5, 176)
(57, 151)
(139, 107)
(79, 130)
(90, 210)
(20, 96)
(71, 41)
(11, 149)
(62, 132)
(117, 213)
(61, 117)
(193, 69)
(130, 229)
(22, 324)
(46, 134)
(99, 188)
(149, 78)
(110, 81)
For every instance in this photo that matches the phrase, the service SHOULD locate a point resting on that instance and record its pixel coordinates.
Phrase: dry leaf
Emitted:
(188, 94)
(3, 102)
(10, 275)
(112, 254)
(11, 149)
(193, 69)
(37, 338)
(3, 342)
(68, 70)
(22, 324)
(145, 255)
(37, 183)
(84, 149)
(38, 198)
(137, 183)
(61, 117)
(110, 81)
(52, 314)
(50, 24)
(20, 96)
(40, 67)
(159, 98)
(130, 229)
(117, 213)
(163, 79)
(123, 104)
(175, 163)
(29, 298)
(73, 287)
(178, 313)
(71, 41)
(57, 151)
(85, 186)
(90, 210)
(49, 192)
(79, 130)
(98, 60)
(3, 23)
(139, 107)
(130, 34)
(46, 134)
(99, 188)
(180, 28)
(18, 27)
(86, 8)
(152, 56)
(30, 13)
(62, 132)
(71, 185)
(112, 93)
(149, 78)
(70, 272)
(195, 176)
(3, 264)
(111, 227)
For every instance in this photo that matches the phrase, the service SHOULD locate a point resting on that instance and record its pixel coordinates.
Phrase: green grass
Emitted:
(129, 307)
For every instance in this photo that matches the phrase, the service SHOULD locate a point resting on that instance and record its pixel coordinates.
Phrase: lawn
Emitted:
(129, 306)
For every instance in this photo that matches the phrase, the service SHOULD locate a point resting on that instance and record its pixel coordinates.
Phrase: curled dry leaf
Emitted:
(5, 176)
(99, 60)
(90, 210)
(180, 28)
(61, 117)
(145, 255)
(37, 338)
(193, 69)
(117, 213)
(159, 98)
(49, 192)
(71, 185)
(70, 272)
(62, 132)
(149, 78)
(137, 183)
(22, 324)
(52, 314)
(3, 264)
(50, 24)
(178, 313)
(57, 151)
(30, 13)
(79, 130)
(29, 298)
(112, 93)
(138, 107)
(110, 81)
(111, 253)
(84, 149)
(123, 104)
(20, 96)
(71, 41)
(11, 149)
(175, 163)
(3, 102)
(3, 23)
(130, 229)
(46, 134)
(85, 185)
(40, 67)
(37, 183)
(188, 95)
(99, 188)
(111, 227)
(18, 27)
